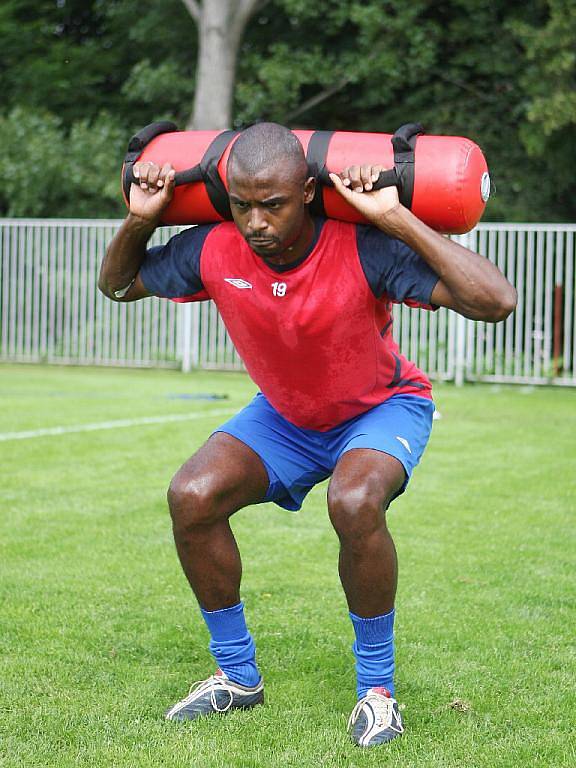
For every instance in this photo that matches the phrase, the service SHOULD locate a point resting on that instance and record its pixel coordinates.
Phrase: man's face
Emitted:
(269, 207)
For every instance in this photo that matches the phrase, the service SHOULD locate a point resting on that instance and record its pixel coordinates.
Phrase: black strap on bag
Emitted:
(401, 176)
(316, 158)
(206, 170)
(215, 188)
(404, 143)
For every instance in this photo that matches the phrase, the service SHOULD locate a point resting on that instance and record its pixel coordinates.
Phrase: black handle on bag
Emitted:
(188, 176)
(387, 178)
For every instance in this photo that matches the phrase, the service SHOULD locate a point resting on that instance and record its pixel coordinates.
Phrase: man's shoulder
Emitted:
(222, 233)
(363, 233)
(190, 243)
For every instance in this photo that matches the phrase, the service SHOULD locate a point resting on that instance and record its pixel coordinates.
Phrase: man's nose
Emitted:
(258, 222)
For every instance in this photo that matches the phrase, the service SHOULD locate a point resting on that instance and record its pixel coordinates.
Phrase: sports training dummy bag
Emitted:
(442, 179)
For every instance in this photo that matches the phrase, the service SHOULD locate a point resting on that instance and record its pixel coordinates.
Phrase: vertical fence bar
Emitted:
(491, 360)
(52, 290)
(4, 290)
(28, 309)
(528, 318)
(571, 249)
(13, 296)
(21, 239)
(195, 332)
(548, 304)
(508, 265)
(45, 289)
(520, 309)
(569, 354)
(558, 305)
(480, 328)
(538, 329)
(83, 292)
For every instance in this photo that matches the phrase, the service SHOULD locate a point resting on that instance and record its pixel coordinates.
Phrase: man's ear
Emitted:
(309, 190)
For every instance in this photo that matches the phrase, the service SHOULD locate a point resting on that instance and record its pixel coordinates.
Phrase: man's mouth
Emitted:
(261, 242)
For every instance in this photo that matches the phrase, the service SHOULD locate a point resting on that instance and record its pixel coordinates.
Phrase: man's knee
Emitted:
(357, 508)
(194, 500)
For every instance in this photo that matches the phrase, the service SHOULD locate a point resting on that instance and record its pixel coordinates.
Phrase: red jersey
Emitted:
(315, 338)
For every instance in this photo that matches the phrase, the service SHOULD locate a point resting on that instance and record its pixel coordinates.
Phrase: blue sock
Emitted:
(374, 651)
(232, 645)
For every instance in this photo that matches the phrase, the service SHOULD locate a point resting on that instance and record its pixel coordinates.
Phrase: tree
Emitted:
(221, 24)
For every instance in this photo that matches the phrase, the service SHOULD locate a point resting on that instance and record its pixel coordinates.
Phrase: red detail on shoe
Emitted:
(382, 692)
(219, 673)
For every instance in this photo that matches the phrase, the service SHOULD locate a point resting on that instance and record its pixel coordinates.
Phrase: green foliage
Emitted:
(78, 78)
(31, 148)
(339, 49)
(548, 86)
(502, 72)
(73, 57)
(549, 79)
(51, 172)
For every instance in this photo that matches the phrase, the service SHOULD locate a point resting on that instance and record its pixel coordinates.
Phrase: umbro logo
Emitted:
(237, 282)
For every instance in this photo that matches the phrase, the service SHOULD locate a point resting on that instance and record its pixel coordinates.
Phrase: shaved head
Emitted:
(266, 146)
(270, 188)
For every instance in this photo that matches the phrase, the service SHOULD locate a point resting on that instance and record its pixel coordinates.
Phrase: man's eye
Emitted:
(241, 205)
(273, 206)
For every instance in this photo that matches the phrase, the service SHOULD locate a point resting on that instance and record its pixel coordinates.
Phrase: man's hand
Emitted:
(119, 274)
(150, 197)
(355, 185)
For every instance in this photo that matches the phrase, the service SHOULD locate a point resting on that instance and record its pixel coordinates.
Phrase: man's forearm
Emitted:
(477, 286)
(125, 255)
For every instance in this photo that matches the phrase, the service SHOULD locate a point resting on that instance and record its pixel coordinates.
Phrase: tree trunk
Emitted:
(221, 24)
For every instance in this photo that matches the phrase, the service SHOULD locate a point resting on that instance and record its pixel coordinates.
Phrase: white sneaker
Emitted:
(216, 695)
(375, 719)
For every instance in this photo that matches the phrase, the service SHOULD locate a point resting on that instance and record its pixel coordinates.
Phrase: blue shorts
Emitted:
(297, 459)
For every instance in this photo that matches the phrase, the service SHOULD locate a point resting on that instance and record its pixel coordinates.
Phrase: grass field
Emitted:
(99, 633)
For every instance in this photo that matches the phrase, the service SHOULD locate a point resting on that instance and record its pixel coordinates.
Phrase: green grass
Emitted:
(99, 633)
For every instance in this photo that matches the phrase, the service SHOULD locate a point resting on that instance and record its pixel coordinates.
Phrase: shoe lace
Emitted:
(383, 710)
(214, 684)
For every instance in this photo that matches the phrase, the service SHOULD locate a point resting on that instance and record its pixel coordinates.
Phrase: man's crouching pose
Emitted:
(307, 303)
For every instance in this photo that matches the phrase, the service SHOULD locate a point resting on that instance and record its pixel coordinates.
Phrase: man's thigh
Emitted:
(223, 469)
(295, 459)
(399, 429)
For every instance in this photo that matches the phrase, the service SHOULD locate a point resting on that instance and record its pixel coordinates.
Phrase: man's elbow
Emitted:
(104, 288)
(503, 306)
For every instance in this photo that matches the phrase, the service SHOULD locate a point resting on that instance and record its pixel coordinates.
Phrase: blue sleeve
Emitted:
(392, 268)
(173, 270)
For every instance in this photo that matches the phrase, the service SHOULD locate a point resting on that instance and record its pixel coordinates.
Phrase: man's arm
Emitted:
(468, 283)
(119, 274)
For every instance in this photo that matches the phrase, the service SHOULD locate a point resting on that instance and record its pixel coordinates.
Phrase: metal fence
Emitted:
(51, 310)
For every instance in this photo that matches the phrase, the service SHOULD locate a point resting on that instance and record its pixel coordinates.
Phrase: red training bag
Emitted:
(444, 180)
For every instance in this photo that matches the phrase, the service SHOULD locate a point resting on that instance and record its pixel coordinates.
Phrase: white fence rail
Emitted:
(51, 310)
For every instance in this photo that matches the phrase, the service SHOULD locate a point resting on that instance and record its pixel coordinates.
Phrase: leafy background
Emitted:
(78, 77)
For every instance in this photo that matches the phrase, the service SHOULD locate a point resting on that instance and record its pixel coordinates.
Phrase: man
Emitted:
(307, 303)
